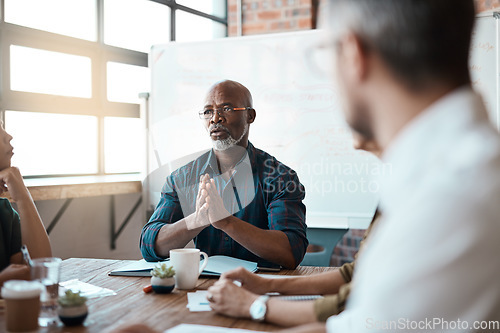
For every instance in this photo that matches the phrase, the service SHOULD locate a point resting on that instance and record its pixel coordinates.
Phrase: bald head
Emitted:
(234, 88)
(229, 128)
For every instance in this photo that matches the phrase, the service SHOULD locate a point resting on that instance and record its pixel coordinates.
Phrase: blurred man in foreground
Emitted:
(431, 263)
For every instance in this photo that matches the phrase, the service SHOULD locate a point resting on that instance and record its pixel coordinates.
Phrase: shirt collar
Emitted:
(211, 167)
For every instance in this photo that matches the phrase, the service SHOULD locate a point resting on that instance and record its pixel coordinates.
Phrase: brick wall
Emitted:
(272, 16)
(483, 5)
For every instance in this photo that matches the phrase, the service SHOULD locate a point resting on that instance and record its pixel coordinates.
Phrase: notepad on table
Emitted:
(299, 297)
(215, 267)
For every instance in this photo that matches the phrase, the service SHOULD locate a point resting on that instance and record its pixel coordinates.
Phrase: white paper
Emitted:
(198, 302)
(221, 264)
(274, 276)
(86, 289)
(190, 328)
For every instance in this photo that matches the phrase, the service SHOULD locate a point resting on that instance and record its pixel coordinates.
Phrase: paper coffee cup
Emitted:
(22, 305)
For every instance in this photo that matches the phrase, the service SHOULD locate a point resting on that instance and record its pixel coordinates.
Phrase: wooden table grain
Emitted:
(131, 305)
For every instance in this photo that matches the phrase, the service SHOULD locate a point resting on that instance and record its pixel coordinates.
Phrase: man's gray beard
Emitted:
(225, 144)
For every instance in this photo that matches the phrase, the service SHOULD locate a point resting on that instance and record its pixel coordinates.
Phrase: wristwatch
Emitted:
(258, 308)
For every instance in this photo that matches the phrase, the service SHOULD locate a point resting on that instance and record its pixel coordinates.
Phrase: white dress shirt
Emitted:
(435, 255)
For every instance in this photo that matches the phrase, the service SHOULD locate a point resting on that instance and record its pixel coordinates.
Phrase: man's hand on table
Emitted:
(250, 281)
(227, 298)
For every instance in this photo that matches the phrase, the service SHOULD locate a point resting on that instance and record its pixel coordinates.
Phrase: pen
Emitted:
(26, 255)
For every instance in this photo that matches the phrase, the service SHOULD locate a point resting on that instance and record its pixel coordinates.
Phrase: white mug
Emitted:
(186, 263)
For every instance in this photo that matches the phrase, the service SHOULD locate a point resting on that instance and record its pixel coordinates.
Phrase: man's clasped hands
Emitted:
(209, 206)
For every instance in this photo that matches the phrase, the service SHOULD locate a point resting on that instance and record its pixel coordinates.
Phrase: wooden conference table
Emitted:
(131, 305)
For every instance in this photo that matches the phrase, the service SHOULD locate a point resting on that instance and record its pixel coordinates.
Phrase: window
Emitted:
(208, 29)
(212, 7)
(48, 72)
(39, 150)
(75, 18)
(124, 81)
(123, 145)
(71, 72)
(136, 24)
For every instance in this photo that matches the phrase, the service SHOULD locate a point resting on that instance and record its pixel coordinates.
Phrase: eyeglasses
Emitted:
(224, 111)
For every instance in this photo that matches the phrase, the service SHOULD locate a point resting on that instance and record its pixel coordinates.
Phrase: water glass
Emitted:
(47, 271)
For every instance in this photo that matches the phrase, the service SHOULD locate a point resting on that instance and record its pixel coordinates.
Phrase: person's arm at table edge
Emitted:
(166, 228)
(272, 245)
(326, 283)
(285, 242)
(175, 235)
(286, 212)
(33, 231)
(290, 313)
(159, 237)
(228, 299)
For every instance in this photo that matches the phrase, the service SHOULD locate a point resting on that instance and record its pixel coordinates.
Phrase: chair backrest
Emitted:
(326, 238)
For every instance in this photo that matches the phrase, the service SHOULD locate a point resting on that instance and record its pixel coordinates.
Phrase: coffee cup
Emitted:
(22, 305)
(186, 263)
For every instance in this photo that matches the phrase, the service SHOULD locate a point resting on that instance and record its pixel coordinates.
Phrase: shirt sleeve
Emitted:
(332, 304)
(346, 271)
(286, 213)
(167, 211)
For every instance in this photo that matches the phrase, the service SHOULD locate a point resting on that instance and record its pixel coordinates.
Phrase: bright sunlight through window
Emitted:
(47, 144)
(136, 24)
(71, 64)
(125, 82)
(123, 145)
(48, 72)
(75, 18)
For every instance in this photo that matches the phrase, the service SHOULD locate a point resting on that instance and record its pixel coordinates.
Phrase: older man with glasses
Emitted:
(234, 200)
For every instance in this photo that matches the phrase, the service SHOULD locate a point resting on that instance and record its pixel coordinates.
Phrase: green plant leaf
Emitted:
(71, 299)
(163, 271)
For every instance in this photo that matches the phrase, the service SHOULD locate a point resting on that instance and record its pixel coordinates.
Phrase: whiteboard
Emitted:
(299, 119)
(484, 62)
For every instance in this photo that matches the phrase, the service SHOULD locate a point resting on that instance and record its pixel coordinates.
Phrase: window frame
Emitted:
(98, 52)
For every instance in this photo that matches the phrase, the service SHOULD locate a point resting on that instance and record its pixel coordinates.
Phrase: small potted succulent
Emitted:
(162, 279)
(72, 308)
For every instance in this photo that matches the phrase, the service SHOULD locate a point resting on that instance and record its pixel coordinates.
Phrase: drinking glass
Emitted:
(47, 271)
